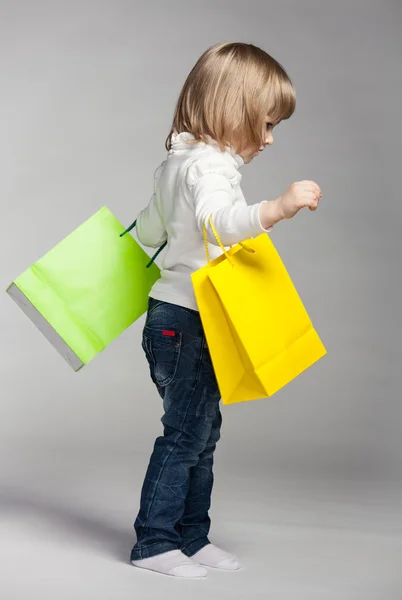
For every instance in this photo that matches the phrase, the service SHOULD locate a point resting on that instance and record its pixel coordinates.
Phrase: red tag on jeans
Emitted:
(169, 333)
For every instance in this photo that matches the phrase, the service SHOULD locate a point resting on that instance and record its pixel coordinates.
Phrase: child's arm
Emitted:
(150, 227)
(213, 191)
(212, 186)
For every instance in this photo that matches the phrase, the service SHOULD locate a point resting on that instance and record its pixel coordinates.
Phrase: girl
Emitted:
(231, 101)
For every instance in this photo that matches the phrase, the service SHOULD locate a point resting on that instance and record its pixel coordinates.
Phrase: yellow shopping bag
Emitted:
(259, 334)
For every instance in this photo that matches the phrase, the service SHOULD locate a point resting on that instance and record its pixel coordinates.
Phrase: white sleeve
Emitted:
(213, 191)
(150, 226)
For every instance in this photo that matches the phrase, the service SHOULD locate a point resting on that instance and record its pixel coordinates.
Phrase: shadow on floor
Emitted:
(95, 531)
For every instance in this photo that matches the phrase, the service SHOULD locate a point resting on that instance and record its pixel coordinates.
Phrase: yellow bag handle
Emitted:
(204, 229)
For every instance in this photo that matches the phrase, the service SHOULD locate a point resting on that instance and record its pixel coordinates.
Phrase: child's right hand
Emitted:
(298, 195)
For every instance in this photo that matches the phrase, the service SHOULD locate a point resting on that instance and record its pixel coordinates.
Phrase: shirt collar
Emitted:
(179, 142)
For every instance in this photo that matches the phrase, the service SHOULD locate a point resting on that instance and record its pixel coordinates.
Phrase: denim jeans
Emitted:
(176, 493)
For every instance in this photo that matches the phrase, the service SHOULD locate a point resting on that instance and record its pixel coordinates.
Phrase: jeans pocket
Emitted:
(162, 350)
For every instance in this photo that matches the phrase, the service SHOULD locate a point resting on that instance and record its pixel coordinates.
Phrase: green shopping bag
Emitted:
(88, 289)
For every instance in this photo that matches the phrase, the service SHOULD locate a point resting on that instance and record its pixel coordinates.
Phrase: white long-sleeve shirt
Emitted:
(193, 183)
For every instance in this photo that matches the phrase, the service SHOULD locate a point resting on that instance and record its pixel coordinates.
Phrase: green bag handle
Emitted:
(156, 253)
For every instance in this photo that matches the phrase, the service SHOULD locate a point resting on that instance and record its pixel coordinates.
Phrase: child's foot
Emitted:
(173, 563)
(212, 556)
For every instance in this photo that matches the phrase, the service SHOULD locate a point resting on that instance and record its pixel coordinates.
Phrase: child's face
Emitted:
(248, 154)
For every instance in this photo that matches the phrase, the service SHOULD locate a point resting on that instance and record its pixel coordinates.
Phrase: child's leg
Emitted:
(195, 523)
(181, 368)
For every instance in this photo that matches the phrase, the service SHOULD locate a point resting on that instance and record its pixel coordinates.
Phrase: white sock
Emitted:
(173, 563)
(212, 556)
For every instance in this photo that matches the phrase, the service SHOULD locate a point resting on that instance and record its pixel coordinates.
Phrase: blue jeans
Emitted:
(176, 493)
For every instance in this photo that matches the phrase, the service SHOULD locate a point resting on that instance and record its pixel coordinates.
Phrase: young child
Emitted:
(231, 101)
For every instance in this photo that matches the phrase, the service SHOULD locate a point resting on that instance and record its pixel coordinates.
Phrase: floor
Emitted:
(66, 533)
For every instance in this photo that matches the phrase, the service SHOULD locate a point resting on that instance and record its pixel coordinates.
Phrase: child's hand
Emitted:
(297, 196)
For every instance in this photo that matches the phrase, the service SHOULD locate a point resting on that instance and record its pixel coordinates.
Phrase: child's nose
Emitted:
(267, 142)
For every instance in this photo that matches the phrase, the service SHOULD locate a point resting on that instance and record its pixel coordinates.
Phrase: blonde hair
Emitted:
(229, 92)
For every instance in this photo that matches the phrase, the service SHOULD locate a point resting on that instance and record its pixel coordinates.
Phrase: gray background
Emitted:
(308, 483)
